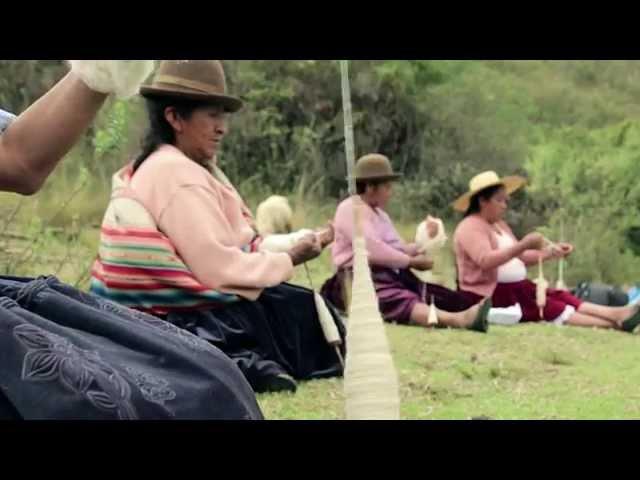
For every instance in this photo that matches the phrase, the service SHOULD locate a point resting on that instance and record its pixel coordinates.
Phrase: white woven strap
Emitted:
(370, 379)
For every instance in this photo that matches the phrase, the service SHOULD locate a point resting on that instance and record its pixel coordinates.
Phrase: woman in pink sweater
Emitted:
(492, 262)
(178, 241)
(401, 296)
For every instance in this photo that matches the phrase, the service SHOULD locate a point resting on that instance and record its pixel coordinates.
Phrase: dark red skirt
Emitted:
(398, 292)
(524, 293)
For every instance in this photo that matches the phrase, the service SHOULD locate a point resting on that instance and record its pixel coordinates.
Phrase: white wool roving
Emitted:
(281, 243)
(274, 215)
(120, 77)
(429, 245)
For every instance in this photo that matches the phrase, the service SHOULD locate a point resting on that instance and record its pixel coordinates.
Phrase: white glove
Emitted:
(121, 77)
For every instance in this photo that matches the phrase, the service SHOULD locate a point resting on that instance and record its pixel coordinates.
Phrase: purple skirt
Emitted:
(398, 292)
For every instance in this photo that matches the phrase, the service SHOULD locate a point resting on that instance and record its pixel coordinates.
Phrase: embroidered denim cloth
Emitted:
(67, 354)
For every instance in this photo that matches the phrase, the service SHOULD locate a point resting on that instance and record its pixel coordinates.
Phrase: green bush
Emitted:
(570, 126)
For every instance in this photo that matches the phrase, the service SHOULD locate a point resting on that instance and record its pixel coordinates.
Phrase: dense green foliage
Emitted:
(571, 126)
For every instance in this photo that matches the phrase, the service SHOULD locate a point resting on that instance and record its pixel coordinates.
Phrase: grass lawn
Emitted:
(521, 372)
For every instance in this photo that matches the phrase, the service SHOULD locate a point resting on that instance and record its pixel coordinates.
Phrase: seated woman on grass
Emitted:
(178, 241)
(491, 261)
(401, 296)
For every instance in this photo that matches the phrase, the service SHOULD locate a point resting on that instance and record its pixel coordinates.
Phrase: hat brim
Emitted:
(381, 178)
(511, 183)
(229, 103)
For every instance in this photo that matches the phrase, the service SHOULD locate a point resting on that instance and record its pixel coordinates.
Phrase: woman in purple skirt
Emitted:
(401, 296)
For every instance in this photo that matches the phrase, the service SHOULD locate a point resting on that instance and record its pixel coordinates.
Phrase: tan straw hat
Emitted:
(485, 180)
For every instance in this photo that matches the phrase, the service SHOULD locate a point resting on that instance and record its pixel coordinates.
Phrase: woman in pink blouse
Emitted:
(491, 261)
(402, 297)
(178, 241)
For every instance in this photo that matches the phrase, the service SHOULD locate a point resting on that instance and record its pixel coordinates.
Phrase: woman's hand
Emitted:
(562, 250)
(532, 241)
(306, 249)
(326, 235)
(420, 262)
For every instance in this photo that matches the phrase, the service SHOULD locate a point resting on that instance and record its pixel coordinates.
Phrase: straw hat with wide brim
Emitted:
(485, 180)
(374, 167)
(192, 79)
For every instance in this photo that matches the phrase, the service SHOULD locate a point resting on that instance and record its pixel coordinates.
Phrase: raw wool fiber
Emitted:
(120, 77)
(425, 243)
(274, 215)
(432, 248)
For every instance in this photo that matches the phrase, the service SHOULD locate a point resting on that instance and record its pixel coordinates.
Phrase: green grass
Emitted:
(521, 372)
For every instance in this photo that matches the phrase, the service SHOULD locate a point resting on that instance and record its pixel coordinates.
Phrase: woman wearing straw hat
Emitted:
(178, 241)
(401, 296)
(69, 355)
(491, 261)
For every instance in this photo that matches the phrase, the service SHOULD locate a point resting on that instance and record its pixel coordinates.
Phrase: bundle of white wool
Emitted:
(274, 215)
(120, 77)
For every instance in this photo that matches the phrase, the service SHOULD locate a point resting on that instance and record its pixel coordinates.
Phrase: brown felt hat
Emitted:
(192, 79)
(375, 167)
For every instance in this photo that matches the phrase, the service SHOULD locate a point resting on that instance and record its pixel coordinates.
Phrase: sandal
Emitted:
(481, 322)
(631, 323)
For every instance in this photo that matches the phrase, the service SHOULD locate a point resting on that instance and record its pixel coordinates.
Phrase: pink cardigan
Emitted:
(478, 257)
(208, 224)
(385, 248)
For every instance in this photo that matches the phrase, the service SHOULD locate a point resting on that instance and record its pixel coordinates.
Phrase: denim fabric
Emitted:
(67, 354)
(5, 119)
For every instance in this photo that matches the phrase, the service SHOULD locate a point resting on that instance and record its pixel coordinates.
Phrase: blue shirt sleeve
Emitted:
(5, 119)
